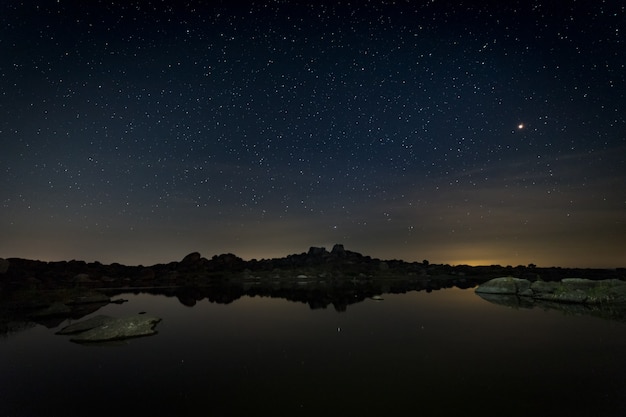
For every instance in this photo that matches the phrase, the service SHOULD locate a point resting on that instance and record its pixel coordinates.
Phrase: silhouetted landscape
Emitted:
(334, 267)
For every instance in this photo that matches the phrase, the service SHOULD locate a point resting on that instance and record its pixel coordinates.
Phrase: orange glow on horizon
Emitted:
(476, 262)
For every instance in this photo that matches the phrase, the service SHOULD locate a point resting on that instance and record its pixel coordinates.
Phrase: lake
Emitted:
(440, 353)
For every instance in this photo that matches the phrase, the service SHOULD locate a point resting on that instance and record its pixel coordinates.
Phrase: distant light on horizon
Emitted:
(475, 262)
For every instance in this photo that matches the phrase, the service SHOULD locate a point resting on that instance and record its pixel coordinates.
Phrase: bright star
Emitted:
(520, 126)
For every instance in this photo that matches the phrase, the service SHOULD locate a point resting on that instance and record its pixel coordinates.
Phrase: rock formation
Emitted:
(104, 328)
(568, 290)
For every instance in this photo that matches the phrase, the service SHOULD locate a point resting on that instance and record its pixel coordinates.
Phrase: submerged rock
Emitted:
(104, 328)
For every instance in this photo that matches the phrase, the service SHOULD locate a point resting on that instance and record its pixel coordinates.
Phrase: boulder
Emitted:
(191, 259)
(190, 263)
(317, 251)
(580, 290)
(562, 295)
(82, 278)
(147, 274)
(544, 287)
(568, 290)
(104, 328)
(338, 250)
(579, 283)
(224, 262)
(608, 291)
(505, 285)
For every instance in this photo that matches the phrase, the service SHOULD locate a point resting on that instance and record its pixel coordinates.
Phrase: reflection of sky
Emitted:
(466, 133)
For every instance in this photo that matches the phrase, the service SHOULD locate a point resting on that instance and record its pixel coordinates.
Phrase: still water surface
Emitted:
(445, 353)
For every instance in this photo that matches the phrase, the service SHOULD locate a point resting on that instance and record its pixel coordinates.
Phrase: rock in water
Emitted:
(568, 290)
(103, 328)
(504, 285)
(85, 325)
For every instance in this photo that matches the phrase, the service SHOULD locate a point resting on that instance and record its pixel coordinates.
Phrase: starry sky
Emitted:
(479, 133)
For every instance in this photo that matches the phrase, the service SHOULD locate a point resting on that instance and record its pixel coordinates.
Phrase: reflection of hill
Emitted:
(8, 327)
(317, 294)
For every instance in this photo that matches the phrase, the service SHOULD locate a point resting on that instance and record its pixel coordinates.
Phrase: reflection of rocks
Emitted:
(188, 296)
(605, 311)
(317, 293)
(48, 308)
(89, 298)
(9, 327)
(54, 309)
(508, 300)
(52, 312)
(103, 328)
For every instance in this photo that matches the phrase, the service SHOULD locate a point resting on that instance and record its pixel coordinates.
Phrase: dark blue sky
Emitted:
(478, 132)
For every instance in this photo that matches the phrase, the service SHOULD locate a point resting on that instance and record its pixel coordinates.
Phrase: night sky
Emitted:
(487, 132)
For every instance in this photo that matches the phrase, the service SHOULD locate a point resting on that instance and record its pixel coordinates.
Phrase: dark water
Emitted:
(446, 353)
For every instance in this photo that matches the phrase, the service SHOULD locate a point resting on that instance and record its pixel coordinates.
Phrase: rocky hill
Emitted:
(336, 265)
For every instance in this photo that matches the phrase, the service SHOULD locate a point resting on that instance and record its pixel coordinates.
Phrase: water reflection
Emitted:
(22, 311)
(316, 294)
(341, 296)
(444, 353)
(19, 309)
